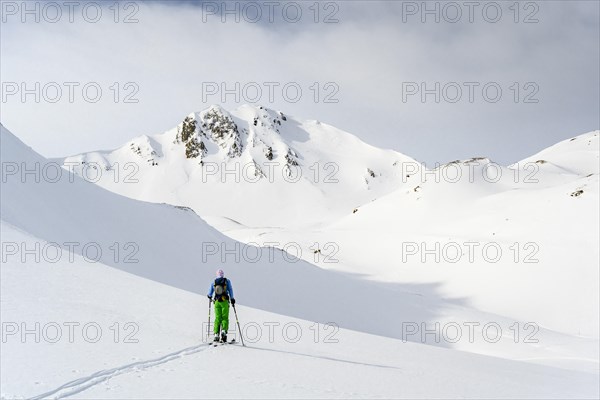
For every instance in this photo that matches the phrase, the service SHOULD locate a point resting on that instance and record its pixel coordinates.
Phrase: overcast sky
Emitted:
(373, 58)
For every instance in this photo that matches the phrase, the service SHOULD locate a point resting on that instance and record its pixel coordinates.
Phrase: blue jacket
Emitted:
(211, 292)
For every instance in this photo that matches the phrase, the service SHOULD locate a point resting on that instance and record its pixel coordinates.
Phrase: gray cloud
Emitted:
(369, 54)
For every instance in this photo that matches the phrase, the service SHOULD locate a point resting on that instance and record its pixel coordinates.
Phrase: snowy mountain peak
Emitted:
(579, 155)
(253, 155)
(250, 133)
(213, 125)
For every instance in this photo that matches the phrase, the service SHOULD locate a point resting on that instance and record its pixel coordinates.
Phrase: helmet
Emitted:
(220, 273)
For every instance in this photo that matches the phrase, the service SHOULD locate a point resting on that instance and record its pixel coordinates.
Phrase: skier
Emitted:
(222, 291)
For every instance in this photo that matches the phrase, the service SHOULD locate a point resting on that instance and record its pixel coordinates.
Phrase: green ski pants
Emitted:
(221, 316)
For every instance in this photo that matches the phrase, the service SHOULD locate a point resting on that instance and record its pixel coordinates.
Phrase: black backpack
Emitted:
(221, 289)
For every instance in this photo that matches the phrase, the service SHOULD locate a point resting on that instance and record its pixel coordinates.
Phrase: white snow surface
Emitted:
(540, 216)
(159, 352)
(362, 279)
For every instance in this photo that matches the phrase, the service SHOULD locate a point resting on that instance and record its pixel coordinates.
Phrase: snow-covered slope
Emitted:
(254, 165)
(520, 242)
(544, 222)
(150, 347)
(575, 156)
(370, 289)
(528, 229)
(175, 247)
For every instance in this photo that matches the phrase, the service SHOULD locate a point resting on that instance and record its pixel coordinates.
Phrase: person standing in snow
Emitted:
(222, 291)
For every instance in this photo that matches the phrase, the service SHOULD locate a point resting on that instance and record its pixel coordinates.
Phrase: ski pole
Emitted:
(238, 325)
(209, 307)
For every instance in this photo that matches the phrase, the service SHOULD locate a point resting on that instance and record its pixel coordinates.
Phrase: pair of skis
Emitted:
(232, 341)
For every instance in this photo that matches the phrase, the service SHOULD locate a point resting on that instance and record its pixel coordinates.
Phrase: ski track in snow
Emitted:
(81, 384)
